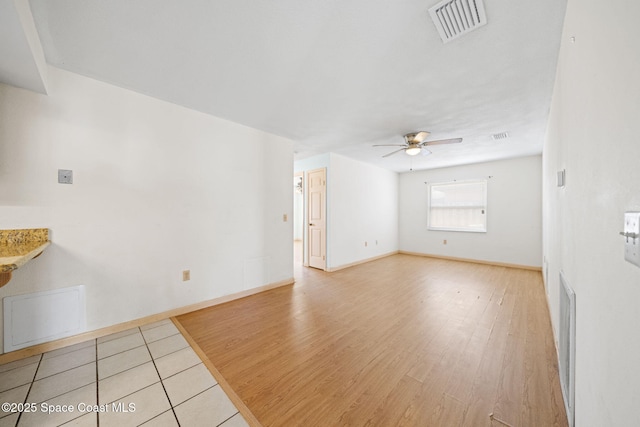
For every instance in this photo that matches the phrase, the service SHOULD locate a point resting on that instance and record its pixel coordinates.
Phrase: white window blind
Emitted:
(458, 206)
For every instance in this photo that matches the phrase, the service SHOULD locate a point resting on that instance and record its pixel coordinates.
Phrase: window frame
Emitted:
(430, 187)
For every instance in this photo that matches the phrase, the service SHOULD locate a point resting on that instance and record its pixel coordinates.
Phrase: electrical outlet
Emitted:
(284, 217)
(186, 275)
(444, 242)
(365, 243)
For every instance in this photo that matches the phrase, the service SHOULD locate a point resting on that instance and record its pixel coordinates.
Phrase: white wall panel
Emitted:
(157, 189)
(514, 224)
(593, 135)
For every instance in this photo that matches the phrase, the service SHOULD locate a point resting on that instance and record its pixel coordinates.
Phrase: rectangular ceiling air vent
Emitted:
(454, 18)
(499, 136)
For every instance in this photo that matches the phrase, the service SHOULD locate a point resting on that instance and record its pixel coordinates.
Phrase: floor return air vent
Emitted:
(567, 346)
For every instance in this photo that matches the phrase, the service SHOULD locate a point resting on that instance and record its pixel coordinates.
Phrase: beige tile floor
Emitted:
(146, 376)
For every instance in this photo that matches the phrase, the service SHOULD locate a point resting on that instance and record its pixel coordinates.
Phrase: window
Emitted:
(458, 206)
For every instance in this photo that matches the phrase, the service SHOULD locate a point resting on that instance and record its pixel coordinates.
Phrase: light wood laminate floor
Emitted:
(404, 340)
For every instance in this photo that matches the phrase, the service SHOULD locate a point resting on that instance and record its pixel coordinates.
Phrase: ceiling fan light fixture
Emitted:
(413, 149)
(415, 143)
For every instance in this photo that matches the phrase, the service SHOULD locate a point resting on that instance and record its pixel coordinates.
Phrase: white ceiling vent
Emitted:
(499, 136)
(454, 18)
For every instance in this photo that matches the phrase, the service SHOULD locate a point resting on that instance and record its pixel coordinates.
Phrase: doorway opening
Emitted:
(298, 219)
(316, 236)
(309, 219)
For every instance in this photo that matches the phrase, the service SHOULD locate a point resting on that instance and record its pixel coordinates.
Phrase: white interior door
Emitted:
(317, 239)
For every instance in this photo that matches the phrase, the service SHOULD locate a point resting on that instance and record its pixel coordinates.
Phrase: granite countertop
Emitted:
(17, 247)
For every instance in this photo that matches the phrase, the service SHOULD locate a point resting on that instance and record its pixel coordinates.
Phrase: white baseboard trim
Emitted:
(342, 267)
(476, 261)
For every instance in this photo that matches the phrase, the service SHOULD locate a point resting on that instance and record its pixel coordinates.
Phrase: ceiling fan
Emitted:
(414, 143)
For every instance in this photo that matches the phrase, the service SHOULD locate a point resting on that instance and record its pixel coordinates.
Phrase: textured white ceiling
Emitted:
(330, 75)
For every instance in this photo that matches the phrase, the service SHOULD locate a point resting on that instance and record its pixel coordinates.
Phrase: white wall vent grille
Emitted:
(454, 18)
(567, 346)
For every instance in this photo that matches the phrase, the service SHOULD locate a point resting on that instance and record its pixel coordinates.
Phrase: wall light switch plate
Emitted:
(632, 237)
(65, 176)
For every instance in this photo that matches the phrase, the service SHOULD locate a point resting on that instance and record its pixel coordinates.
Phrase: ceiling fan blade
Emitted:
(420, 136)
(416, 137)
(442, 141)
(389, 145)
(393, 152)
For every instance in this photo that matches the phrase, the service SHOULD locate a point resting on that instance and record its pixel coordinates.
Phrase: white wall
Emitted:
(362, 206)
(157, 189)
(593, 134)
(514, 225)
